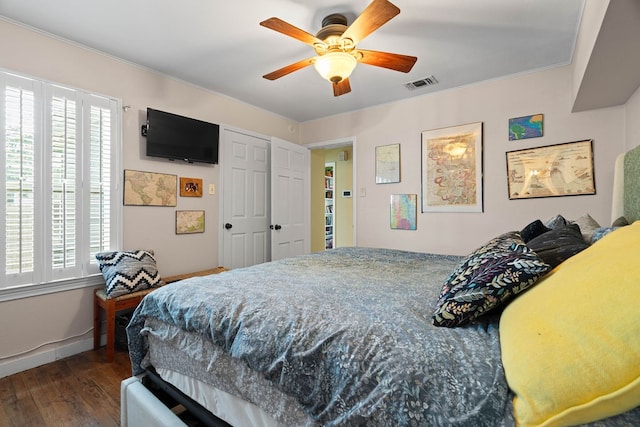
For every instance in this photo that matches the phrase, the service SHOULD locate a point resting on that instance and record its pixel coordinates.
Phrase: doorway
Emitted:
(340, 156)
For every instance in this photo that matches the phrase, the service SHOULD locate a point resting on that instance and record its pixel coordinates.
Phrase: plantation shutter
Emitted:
(102, 176)
(59, 161)
(63, 157)
(20, 178)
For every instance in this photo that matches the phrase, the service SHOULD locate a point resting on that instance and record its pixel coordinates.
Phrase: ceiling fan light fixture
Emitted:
(335, 66)
(335, 46)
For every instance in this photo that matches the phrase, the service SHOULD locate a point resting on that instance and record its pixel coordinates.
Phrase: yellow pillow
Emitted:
(571, 344)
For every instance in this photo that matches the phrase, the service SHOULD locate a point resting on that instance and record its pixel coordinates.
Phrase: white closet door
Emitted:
(290, 199)
(245, 197)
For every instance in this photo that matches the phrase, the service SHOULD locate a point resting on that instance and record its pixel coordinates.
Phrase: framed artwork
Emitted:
(190, 187)
(452, 169)
(188, 222)
(553, 170)
(149, 188)
(388, 164)
(403, 211)
(526, 127)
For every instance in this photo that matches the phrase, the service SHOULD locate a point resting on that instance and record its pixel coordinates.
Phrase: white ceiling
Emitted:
(220, 45)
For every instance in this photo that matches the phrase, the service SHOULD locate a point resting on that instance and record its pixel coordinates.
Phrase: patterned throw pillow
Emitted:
(601, 232)
(128, 271)
(488, 278)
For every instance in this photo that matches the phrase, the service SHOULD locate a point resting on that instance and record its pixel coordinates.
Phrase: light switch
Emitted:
(212, 189)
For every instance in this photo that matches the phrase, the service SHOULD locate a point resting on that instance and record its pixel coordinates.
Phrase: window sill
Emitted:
(27, 291)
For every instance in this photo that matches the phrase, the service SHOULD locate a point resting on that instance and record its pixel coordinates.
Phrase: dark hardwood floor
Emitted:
(81, 390)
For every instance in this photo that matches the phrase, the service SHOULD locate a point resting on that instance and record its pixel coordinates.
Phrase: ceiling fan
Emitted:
(335, 46)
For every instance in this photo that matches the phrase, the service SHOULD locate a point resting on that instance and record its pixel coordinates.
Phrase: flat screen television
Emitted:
(181, 138)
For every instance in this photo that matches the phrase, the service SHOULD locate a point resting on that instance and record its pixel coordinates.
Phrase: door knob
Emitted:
(228, 226)
(278, 227)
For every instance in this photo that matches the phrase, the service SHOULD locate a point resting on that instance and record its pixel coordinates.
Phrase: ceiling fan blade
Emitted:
(392, 61)
(277, 24)
(289, 69)
(373, 17)
(341, 88)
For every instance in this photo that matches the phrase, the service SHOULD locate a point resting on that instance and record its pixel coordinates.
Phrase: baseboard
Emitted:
(30, 361)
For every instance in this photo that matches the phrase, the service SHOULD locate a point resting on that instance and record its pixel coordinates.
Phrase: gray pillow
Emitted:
(620, 222)
(555, 222)
(587, 225)
(533, 229)
(558, 244)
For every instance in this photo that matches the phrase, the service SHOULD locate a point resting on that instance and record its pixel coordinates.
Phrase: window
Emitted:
(59, 173)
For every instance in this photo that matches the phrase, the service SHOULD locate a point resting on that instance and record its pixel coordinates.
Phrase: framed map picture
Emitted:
(452, 169)
(403, 211)
(149, 188)
(188, 222)
(552, 170)
(388, 164)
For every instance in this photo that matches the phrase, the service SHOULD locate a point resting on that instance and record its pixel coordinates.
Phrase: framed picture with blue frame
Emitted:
(526, 127)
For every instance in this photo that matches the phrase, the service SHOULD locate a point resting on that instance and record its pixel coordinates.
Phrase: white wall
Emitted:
(38, 320)
(493, 103)
(607, 58)
(590, 24)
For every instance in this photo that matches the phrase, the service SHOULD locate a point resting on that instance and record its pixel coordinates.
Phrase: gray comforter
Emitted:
(348, 332)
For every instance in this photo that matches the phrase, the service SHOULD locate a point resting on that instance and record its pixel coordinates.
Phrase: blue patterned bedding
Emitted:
(348, 332)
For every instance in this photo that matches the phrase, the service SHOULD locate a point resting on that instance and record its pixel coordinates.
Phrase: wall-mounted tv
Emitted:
(181, 138)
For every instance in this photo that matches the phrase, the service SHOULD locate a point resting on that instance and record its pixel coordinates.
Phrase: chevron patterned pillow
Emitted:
(128, 271)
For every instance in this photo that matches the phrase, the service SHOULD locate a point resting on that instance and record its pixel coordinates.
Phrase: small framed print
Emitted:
(189, 222)
(388, 164)
(526, 127)
(403, 211)
(190, 187)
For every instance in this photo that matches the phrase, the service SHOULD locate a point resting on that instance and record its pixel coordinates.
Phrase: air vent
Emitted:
(417, 84)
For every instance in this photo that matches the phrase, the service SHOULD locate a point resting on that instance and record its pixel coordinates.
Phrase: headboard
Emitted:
(626, 186)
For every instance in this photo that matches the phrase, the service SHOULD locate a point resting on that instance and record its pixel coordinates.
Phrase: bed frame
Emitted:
(139, 406)
(149, 400)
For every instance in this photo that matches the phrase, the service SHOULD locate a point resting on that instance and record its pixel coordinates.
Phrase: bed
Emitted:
(372, 337)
